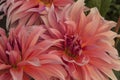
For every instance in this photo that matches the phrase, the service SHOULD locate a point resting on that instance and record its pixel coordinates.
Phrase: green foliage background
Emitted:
(110, 9)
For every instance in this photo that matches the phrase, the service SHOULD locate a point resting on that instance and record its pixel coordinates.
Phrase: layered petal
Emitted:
(87, 47)
(25, 55)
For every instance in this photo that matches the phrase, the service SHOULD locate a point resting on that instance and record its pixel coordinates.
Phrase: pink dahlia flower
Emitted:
(24, 56)
(87, 47)
(28, 12)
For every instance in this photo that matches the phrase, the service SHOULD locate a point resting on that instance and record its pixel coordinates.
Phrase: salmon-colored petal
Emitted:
(56, 71)
(35, 73)
(86, 73)
(48, 43)
(91, 27)
(50, 58)
(82, 23)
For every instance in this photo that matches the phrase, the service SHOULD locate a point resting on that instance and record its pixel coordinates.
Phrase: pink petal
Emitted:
(62, 2)
(34, 62)
(77, 7)
(35, 73)
(14, 57)
(86, 73)
(34, 36)
(4, 66)
(50, 58)
(27, 5)
(17, 74)
(108, 72)
(48, 43)
(56, 71)
(93, 73)
(52, 18)
(5, 76)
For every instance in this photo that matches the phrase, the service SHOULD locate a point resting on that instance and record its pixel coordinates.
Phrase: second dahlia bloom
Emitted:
(28, 12)
(24, 56)
(87, 47)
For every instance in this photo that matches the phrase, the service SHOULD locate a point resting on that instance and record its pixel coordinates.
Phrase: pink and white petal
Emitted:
(94, 12)
(106, 46)
(92, 26)
(108, 72)
(77, 7)
(34, 61)
(106, 26)
(17, 73)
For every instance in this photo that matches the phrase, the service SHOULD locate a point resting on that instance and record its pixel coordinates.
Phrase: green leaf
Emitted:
(117, 73)
(117, 45)
(102, 5)
(105, 4)
(114, 11)
(93, 3)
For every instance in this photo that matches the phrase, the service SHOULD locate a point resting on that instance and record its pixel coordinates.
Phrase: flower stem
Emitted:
(118, 26)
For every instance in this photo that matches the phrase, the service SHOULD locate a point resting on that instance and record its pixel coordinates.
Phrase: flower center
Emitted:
(72, 45)
(46, 2)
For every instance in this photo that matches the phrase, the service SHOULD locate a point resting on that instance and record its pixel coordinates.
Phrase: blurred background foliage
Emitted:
(109, 9)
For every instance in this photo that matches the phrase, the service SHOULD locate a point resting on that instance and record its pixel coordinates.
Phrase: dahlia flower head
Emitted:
(86, 48)
(28, 12)
(24, 56)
